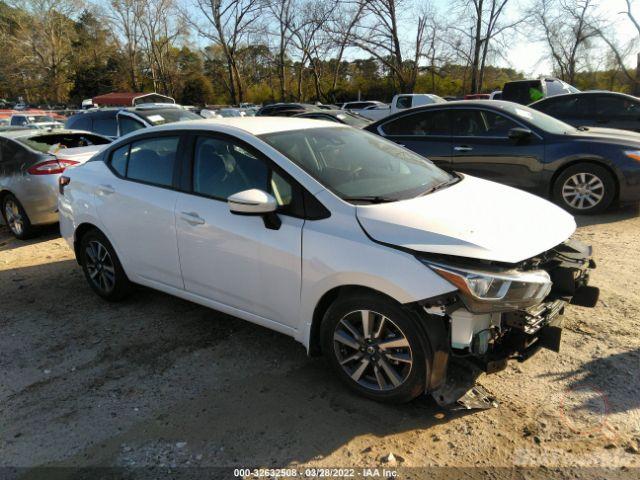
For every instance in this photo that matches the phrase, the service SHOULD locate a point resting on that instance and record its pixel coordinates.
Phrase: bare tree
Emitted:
(379, 31)
(229, 24)
(620, 52)
(567, 29)
(283, 13)
(125, 16)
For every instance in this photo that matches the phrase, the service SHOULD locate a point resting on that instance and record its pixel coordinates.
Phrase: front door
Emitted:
(482, 147)
(235, 259)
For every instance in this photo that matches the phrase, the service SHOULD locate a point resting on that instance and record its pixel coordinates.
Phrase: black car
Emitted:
(285, 109)
(601, 109)
(337, 116)
(116, 122)
(584, 170)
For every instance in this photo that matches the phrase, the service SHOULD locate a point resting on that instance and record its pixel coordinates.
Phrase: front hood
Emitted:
(473, 218)
(610, 135)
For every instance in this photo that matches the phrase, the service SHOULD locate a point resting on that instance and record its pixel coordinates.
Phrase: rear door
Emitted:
(426, 132)
(137, 204)
(482, 147)
(614, 111)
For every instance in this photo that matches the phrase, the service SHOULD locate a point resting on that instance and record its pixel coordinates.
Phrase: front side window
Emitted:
(358, 166)
(418, 124)
(480, 123)
(152, 160)
(566, 107)
(616, 107)
(404, 102)
(19, 121)
(222, 168)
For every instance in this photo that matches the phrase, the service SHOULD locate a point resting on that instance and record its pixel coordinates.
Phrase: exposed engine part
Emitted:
(466, 326)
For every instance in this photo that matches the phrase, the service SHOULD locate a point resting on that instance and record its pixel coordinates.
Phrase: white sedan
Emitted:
(356, 247)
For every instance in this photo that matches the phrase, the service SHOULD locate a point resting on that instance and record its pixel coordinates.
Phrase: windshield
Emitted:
(160, 116)
(356, 165)
(539, 119)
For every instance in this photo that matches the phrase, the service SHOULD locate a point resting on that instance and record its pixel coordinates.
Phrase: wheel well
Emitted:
(82, 229)
(592, 162)
(323, 305)
(3, 193)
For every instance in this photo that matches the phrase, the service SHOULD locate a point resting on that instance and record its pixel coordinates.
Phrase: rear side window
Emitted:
(81, 122)
(563, 107)
(419, 124)
(404, 102)
(523, 92)
(119, 160)
(152, 160)
(106, 126)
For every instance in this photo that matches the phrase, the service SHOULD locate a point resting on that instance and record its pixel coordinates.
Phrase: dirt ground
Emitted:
(157, 381)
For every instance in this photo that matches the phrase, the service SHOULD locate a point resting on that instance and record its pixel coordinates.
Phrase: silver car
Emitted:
(30, 163)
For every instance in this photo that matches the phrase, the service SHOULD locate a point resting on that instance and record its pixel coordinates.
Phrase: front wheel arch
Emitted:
(570, 164)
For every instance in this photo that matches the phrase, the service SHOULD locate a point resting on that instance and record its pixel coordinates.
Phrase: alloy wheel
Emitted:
(583, 191)
(14, 217)
(100, 266)
(372, 350)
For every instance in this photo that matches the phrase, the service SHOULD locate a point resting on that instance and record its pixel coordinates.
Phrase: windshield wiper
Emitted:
(370, 199)
(440, 186)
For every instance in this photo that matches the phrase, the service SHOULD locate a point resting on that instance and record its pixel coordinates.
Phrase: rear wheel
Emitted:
(375, 348)
(584, 189)
(16, 218)
(102, 268)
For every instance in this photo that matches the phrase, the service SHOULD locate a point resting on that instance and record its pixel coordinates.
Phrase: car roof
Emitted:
(251, 125)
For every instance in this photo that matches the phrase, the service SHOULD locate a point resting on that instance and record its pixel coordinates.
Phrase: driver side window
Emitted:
(222, 168)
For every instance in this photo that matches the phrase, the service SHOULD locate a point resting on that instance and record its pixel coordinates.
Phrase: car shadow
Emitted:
(615, 378)
(43, 234)
(155, 370)
(611, 216)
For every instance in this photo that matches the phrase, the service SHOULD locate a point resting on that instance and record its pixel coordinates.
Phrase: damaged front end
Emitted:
(505, 312)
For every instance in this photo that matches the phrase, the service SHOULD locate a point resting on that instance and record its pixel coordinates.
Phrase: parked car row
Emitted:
(359, 248)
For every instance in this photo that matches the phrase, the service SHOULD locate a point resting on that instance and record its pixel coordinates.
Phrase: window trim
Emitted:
(188, 162)
(178, 161)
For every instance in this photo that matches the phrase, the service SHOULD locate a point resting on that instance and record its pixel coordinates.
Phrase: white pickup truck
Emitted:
(378, 110)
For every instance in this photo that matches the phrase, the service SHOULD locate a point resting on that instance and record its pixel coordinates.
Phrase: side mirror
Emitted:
(520, 133)
(256, 202)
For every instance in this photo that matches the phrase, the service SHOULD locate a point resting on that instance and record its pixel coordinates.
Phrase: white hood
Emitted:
(473, 218)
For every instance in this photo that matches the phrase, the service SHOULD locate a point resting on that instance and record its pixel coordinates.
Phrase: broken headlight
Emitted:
(487, 291)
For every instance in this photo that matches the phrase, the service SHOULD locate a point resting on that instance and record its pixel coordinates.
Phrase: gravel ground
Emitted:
(157, 381)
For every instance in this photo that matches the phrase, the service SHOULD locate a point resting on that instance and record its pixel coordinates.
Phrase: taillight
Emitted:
(51, 167)
(63, 182)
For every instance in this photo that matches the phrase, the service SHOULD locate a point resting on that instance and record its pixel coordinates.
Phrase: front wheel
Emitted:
(584, 189)
(375, 348)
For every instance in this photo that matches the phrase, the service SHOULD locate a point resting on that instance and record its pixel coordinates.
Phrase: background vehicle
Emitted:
(30, 163)
(399, 103)
(339, 116)
(284, 109)
(497, 95)
(527, 91)
(362, 104)
(34, 120)
(305, 222)
(599, 109)
(117, 122)
(477, 96)
(583, 171)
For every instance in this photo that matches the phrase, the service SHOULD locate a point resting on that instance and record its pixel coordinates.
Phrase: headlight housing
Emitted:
(487, 291)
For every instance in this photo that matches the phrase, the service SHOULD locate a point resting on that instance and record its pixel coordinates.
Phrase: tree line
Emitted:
(232, 51)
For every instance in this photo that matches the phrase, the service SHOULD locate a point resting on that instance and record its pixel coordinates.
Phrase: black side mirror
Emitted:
(520, 133)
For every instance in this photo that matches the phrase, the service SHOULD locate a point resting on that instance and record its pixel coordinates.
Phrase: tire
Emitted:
(584, 189)
(102, 268)
(393, 375)
(16, 218)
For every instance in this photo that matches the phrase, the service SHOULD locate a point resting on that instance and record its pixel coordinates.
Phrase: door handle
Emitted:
(463, 148)
(106, 189)
(192, 218)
